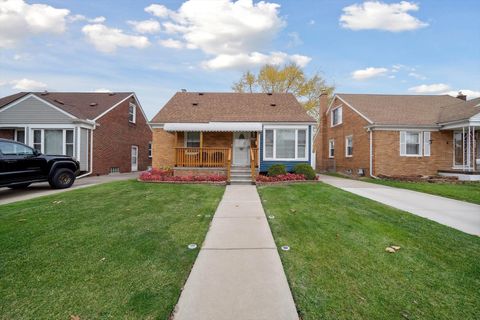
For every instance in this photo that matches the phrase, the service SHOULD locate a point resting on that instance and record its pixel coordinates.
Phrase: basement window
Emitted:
(114, 170)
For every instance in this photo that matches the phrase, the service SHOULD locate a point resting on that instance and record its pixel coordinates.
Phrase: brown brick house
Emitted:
(399, 135)
(236, 134)
(106, 132)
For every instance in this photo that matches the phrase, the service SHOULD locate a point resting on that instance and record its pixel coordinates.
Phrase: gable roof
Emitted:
(383, 109)
(77, 104)
(460, 111)
(196, 107)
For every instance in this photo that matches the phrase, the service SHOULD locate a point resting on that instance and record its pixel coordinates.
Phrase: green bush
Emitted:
(277, 169)
(306, 170)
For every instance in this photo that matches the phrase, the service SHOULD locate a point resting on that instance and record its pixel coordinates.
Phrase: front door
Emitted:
(134, 158)
(241, 148)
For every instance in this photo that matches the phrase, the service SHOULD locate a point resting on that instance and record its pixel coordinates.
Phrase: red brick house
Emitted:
(106, 132)
(399, 135)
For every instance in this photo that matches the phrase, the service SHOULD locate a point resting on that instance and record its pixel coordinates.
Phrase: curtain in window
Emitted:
(269, 143)
(53, 142)
(413, 143)
(285, 144)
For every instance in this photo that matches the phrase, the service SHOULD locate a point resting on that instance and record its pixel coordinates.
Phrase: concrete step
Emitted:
(241, 182)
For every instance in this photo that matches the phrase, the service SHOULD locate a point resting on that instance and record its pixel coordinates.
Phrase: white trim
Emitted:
(132, 167)
(141, 110)
(215, 127)
(134, 113)
(332, 141)
(420, 143)
(397, 127)
(332, 125)
(14, 103)
(112, 107)
(346, 146)
(296, 128)
(348, 105)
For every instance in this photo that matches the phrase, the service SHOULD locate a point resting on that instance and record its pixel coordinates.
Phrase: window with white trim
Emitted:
(192, 139)
(20, 135)
(426, 143)
(150, 149)
(54, 141)
(349, 146)
(132, 113)
(285, 144)
(336, 116)
(331, 148)
(411, 143)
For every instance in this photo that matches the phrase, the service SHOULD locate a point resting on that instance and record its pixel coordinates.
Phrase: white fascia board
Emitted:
(112, 107)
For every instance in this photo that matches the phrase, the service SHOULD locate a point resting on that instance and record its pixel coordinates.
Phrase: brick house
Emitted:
(106, 132)
(399, 135)
(236, 134)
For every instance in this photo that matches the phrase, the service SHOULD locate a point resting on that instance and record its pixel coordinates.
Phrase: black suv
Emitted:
(21, 165)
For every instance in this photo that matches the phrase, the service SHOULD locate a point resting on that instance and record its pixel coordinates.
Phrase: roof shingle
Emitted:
(232, 107)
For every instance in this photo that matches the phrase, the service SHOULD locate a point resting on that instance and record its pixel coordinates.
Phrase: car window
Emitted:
(14, 149)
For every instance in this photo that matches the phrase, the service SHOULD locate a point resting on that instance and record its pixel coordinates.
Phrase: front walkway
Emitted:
(36, 190)
(460, 215)
(238, 273)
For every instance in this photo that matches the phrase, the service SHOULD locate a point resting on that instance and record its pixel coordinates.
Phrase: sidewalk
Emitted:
(238, 273)
(460, 215)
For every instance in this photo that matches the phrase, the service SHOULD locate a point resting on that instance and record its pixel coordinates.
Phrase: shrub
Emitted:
(276, 169)
(281, 177)
(306, 170)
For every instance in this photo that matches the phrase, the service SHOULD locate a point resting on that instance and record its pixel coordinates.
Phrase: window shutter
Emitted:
(426, 144)
(403, 143)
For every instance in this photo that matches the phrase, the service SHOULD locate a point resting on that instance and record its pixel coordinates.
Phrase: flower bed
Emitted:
(166, 176)
(282, 178)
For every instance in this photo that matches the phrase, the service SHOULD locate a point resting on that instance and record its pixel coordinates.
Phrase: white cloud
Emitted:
(417, 75)
(27, 84)
(145, 26)
(311, 22)
(107, 39)
(233, 33)
(244, 60)
(430, 88)
(368, 73)
(172, 43)
(103, 90)
(295, 39)
(377, 15)
(158, 10)
(20, 20)
(81, 17)
(471, 94)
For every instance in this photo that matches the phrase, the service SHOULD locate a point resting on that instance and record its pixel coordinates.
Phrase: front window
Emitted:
(14, 149)
(410, 143)
(150, 149)
(336, 116)
(132, 113)
(20, 135)
(192, 139)
(349, 146)
(285, 143)
(54, 141)
(331, 148)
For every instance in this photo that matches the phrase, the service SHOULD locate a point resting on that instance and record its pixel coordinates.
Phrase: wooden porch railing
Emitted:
(253, 161)
(229, 164)
(202, 157)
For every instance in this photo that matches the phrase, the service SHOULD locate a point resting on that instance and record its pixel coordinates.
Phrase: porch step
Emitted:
(240, 175)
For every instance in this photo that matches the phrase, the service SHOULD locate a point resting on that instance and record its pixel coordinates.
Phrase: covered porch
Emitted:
(216, 148)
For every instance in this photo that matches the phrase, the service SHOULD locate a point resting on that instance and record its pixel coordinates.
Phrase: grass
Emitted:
(114, 251)
(467, 191)
(338, 268)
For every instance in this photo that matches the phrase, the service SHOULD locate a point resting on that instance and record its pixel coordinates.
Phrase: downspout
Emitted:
(91, 157)
(371, 154)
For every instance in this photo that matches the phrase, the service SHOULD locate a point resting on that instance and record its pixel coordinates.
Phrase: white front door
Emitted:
(134, 158)
(241, 148)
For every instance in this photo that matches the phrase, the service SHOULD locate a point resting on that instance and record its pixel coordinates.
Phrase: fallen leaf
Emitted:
(72, 317)
(390, 250)
(396, 248)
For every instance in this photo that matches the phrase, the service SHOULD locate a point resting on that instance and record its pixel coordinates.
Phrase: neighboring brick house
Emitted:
(106, 132)
(399, 135)
(208, 132)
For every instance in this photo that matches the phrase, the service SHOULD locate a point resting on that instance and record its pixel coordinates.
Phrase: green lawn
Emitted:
(115, 251)
(468, 191)
(338, 268)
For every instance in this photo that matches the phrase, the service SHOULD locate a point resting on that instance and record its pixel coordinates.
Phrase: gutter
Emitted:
(91, 157)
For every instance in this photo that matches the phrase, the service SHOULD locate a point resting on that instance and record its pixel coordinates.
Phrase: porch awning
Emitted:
(214, 126)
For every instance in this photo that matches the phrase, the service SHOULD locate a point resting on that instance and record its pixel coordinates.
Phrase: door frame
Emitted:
(134, 166)
(247, 151)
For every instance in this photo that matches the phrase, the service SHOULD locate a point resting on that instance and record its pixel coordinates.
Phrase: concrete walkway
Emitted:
(43, 189)
(460, 215)
(238, 273)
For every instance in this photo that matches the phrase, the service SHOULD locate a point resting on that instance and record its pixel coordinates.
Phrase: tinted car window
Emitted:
(14, 149)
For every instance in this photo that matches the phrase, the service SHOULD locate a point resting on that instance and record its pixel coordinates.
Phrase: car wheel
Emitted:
(62, 179)
(20, 186)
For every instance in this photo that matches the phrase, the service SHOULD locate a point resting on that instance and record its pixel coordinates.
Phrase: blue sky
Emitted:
(158, 48)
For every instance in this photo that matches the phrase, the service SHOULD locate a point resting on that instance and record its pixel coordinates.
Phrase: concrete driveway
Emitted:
(43, 189)
(460, 215)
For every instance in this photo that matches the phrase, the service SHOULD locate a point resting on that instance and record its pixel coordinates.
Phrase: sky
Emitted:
(158, 48)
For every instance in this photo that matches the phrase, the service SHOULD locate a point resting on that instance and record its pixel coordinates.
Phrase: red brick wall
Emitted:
(7, 134)
(114, 137)
(352, 124)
